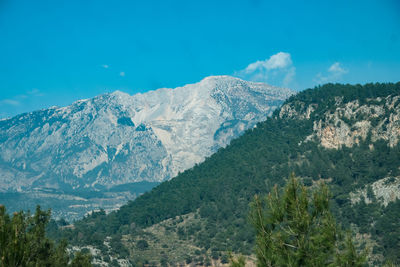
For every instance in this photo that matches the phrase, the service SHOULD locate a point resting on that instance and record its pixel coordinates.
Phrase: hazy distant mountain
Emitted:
(116, 139)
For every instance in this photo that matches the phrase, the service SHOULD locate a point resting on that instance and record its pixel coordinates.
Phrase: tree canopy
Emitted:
(296, 228)
(23, 242)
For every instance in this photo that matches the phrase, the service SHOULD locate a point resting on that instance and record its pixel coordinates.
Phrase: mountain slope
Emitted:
(347, 136)
(114, 139)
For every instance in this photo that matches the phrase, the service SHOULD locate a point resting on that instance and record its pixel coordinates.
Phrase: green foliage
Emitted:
(347, 255)
(219, 190)
(296, 229)
(387, 229)
(81, 260)
(142, 244)
(23, 242)
(240, 261)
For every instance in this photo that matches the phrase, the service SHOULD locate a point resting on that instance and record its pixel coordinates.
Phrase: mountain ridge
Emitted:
(115, 138)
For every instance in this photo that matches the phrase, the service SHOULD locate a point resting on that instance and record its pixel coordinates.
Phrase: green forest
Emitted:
(219, 190)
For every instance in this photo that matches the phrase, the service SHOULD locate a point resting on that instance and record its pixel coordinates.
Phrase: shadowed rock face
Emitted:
(117, 138)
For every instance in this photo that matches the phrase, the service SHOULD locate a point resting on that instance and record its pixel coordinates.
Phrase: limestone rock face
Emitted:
(117, 138)
(385, 190)
(351, 122)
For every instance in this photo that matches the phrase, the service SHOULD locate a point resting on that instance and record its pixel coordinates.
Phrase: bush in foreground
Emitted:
(23, 242)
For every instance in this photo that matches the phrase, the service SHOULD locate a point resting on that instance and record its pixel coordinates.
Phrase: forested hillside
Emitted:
(345, 135)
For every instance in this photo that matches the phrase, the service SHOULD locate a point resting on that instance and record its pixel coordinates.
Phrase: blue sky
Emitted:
(55, 52)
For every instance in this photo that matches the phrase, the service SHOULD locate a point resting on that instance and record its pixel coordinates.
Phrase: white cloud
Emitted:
(337, 69)
(278, 61)
(105, 66)
(122, 74)
(334, 73)
(277, 70)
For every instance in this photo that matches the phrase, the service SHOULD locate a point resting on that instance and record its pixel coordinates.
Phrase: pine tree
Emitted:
(240, 261)
(81, 260)
(295, 228)
(23, 242)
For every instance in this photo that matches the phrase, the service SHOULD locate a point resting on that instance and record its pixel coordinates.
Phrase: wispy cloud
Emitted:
(105, 66)
(122, 74)
(21, 99)
(35, 92)
(10, 102)
(277, 70)
(334, 74)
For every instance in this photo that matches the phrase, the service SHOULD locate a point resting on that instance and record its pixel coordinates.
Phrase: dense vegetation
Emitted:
(219, 190)
(23, 242)
(296, 228)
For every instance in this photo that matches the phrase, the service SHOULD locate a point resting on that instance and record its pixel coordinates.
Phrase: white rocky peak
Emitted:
(118, 138)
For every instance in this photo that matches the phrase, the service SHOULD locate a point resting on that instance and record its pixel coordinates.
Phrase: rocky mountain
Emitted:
(346, 136)
(116, 139)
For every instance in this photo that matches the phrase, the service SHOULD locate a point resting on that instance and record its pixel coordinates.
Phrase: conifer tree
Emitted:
(23, 242)
(295, 228)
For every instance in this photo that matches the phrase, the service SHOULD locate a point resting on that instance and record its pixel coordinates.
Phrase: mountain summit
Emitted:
(116, 139)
